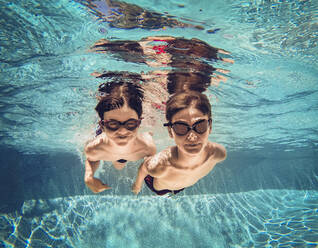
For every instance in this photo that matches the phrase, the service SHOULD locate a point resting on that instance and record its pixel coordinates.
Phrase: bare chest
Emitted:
(132, 153)
(176, 178)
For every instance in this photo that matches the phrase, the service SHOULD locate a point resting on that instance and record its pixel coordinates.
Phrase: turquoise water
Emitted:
(263, 195)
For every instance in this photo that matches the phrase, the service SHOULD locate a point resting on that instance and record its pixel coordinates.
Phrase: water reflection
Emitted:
(175, 64)
(125, 15)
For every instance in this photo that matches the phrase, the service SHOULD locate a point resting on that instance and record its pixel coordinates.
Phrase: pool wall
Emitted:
(60, 174)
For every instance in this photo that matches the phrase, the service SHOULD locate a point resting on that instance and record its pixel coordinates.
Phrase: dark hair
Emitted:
(116, 94)
(127, 50)
(181, 81)
(193, 47)
(192, 64)
(120, 76)
(185, 99)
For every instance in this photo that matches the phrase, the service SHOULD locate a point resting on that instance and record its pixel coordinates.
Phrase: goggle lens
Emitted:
(181, 128)
(201, 127)
(114, 125)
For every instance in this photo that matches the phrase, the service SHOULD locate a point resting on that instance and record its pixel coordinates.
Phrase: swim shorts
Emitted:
(149, 183)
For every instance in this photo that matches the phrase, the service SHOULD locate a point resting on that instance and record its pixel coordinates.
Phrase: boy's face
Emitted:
(192, 142)
(122, 136)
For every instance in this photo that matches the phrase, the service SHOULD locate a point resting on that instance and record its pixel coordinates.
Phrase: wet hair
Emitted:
(193, 47)
(122, 76)
(119, 46)
(186, 99)
(130, 51)
(193, 64)
(181, 81)
(117, 94)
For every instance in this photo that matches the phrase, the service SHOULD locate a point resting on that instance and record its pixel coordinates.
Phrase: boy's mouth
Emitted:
(122, 137)
(194, 145)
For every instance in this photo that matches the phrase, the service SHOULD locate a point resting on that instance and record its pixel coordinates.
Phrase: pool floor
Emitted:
(262, 218)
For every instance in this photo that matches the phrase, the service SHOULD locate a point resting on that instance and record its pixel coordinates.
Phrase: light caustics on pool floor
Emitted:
(270, 218)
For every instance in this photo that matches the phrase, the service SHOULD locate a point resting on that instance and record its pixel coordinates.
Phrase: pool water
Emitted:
(263, 195)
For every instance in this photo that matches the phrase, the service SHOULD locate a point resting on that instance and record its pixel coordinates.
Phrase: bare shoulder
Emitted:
(217, 151)
(147, 137)
(94, 147)
(148, 141)
(157, 165)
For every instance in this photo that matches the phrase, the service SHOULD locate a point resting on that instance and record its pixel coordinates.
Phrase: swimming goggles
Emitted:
(182, 128)
(113, 125)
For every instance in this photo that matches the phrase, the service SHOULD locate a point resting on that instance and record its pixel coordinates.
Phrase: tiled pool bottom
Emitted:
(262, 218)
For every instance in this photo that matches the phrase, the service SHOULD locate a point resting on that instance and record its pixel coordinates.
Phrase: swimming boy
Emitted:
(189, 123)
(120, 111)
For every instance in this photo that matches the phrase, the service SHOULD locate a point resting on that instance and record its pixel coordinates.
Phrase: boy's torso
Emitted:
(174, 178)
(140, 148)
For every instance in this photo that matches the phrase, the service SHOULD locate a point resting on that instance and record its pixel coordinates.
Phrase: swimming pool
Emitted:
(263, 195)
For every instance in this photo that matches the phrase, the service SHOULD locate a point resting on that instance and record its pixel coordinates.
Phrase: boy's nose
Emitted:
(122, 131)
(192, 136)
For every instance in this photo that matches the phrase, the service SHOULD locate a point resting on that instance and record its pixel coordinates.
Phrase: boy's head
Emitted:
(117, 94)
(120, 110)
(185, 99)
(189, 121)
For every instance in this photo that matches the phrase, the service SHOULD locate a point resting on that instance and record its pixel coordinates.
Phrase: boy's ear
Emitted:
(210, 125)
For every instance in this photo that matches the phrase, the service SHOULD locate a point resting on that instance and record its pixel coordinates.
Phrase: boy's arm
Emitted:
(151, 147)
(152, 150)
(142, 173)
(94, 184)
(155, 166)
(91, 165)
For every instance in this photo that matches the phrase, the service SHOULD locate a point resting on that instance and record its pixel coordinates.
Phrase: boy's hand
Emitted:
(135, 189)
(96, 185)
